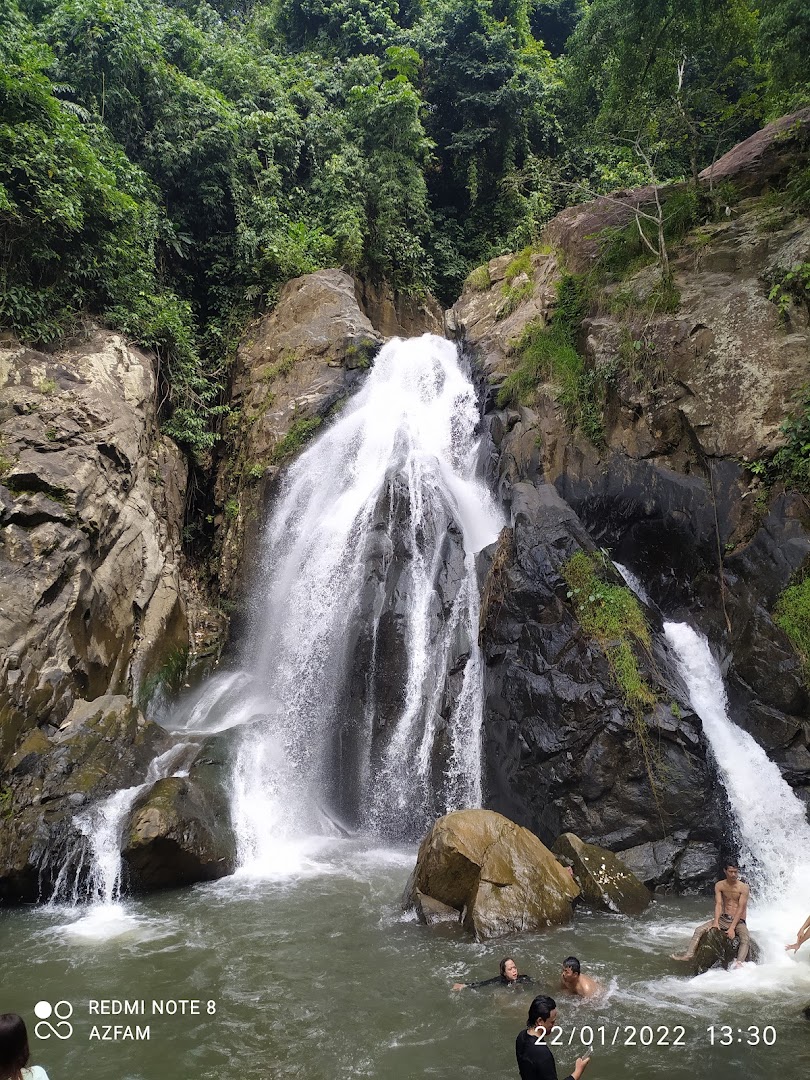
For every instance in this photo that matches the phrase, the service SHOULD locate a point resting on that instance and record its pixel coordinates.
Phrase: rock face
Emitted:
(562, 749)
(102, 745)
(91, 509)
(498, 874)
(689, 397)
(293, 368)
(604, 881)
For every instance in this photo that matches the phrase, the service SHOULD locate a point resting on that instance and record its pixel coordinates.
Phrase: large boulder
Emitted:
(176, 836)
(91, 514)
(102, 746)
(496, 873)
(605, 882)
(179, 831)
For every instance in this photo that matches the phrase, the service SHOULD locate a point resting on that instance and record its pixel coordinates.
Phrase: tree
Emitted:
(681, 71)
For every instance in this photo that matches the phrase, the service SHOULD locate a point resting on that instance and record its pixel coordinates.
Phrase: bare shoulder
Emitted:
(744, 889)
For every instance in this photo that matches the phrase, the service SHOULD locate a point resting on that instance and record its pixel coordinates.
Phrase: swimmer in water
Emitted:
(801, 937)
(574, 982)
(508, 977)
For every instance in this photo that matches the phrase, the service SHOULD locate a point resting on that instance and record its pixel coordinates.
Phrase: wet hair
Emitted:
(14, 1052)
(540, 1009)
(503, 963)
(730, 863)
(573, 963)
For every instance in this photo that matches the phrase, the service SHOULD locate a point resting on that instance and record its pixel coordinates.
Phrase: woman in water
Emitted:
(14, 1052)
(508, 977)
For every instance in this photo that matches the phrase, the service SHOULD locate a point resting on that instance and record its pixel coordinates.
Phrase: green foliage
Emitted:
(791, 464)
(166, 165)
(301, 431)
(513, 297)
(548, 354)
(789, 287)
(682, 72)
(169, 677)
(612, 616)
(784, 35)
(792, 614)
(232, 509)
(622, 250)
(479, 279)
(638, 358)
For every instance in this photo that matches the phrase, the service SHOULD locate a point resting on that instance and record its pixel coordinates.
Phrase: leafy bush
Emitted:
(792, 614)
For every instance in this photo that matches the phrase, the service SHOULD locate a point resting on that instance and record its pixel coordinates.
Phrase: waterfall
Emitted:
(633, 583)
(92, 870)
(360, 695)
(771, 823)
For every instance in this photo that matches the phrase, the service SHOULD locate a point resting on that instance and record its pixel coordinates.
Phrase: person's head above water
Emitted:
(508, 969)
(542, 1012)
(571, 966)
(730, 869)
(14, 1052)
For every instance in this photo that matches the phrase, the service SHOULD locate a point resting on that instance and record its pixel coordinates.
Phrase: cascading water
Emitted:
(363, 699)
(92, 871)
(772, 828)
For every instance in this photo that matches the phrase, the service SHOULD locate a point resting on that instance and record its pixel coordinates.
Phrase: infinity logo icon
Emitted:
(62, 1010)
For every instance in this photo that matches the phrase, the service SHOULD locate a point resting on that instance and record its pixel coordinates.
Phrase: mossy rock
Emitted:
(177, 835)
(716, 949)
(497, 874)
(605, 882)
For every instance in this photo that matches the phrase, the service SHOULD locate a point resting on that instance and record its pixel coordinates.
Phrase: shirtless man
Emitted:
(575, 982)
(730, 908)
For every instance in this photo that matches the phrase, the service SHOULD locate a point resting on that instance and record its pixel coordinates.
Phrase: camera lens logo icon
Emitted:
(61, 1028)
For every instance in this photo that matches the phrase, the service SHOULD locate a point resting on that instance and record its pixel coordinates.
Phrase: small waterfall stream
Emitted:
(773, 833)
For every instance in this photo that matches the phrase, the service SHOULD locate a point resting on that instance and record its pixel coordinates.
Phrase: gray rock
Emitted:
(177, 834)
(716, 949)
(605, 882)
(103, 745)
(90, 516)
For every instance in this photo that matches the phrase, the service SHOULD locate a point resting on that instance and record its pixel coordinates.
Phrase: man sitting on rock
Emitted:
(508, 977)
(575, 982)
(730, 908)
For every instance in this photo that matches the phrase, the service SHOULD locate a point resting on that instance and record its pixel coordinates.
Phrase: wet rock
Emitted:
(102, 746)
(430, 911)
(604, 881)
(561, 748)
(716, 949)
(177, 834)
(497, 874)
(91, 512)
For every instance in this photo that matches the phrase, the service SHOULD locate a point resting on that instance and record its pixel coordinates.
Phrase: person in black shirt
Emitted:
(535, 1060)
(508, 977)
